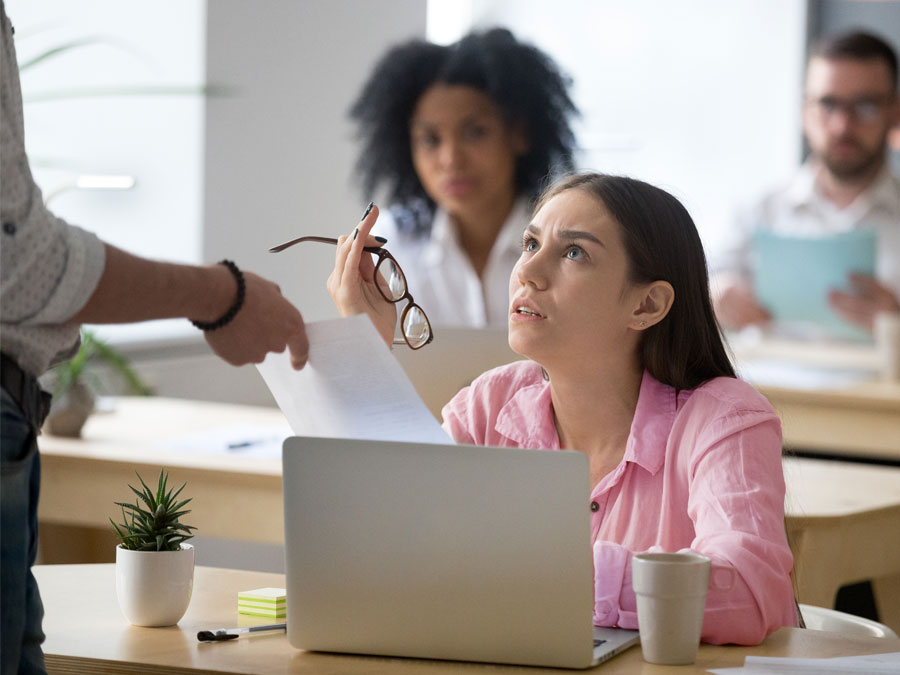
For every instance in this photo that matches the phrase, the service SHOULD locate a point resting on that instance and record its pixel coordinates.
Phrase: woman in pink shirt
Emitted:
(610, 303)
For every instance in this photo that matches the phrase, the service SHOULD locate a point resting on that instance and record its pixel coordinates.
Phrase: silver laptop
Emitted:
(441, 552)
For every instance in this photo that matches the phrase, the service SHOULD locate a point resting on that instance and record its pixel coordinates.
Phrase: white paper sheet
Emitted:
(874, 664)
(779, 373)
(352, 387)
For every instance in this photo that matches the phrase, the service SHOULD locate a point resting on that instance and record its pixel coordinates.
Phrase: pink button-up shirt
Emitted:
(701, 471)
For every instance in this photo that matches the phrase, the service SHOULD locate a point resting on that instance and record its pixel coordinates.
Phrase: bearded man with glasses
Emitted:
(850, 108)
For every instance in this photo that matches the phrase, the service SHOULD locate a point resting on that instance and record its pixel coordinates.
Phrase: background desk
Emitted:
(862, 420)
(87, 632)
(859, 419)
(235, 495)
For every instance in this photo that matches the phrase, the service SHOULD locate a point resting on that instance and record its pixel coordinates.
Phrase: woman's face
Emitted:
(463, 150)
(571, 302)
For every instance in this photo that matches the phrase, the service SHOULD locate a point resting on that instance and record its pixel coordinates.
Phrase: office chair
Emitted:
(821, 618)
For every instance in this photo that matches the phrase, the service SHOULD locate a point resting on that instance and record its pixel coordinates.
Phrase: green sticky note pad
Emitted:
(793, 275)
(264, 596)
(265, 613)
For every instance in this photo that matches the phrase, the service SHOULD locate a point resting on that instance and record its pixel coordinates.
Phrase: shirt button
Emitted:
(595, 507)
(9, 228)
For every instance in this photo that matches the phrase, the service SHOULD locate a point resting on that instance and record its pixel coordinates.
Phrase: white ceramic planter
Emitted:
(154, 587)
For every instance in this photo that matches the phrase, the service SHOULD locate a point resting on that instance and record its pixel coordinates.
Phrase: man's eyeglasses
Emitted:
(865, 109)
(391, 283)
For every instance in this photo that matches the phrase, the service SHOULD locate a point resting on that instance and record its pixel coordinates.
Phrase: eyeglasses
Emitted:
(865, 109)
(391, 283)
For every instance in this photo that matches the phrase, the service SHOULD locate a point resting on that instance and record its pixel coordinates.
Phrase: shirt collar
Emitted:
(652, 424)
(510, 236)
(527, 420)
(884, 192)
(444, 237)
(802, 189)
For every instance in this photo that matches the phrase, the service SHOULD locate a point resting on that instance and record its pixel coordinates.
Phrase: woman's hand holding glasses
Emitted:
(368, 280)
(353, 284)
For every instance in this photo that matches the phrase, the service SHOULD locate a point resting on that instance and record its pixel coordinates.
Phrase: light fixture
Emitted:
(92, 182)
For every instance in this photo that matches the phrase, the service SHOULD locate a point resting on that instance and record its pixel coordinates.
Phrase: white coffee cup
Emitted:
(671, 597)
(887, 342)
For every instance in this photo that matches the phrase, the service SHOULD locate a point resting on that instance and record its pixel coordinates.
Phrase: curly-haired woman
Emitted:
(463, 138)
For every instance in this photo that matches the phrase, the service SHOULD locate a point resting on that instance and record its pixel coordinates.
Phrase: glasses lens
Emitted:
(865, 110)
(416, 328)
(390, 280)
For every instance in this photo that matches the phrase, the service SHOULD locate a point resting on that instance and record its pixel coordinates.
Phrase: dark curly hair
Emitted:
(524, 82)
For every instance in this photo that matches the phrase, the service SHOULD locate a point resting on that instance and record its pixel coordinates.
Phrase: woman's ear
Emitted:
(655, 304)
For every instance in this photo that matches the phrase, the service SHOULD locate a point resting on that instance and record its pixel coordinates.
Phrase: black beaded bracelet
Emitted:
(226, 318)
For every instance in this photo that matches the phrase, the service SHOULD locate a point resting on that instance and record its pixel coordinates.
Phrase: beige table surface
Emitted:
(843, 522)
(86, 632)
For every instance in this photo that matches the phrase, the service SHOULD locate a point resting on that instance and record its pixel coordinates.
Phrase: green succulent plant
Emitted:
(152, 522)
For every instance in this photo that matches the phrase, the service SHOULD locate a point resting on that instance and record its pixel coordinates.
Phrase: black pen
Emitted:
(222, 634)
(237, 445)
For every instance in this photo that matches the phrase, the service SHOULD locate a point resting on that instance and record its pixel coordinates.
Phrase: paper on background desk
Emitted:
(780, 373)
(259, 441)
(352, 387)
(873, 664)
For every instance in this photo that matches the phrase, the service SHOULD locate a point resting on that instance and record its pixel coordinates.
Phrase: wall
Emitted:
(118, 104)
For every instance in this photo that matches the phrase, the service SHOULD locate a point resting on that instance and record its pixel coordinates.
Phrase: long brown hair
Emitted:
(686, 348)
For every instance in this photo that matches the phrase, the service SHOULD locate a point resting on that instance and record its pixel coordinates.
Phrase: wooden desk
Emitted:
(87, 632)
(838, 514)
(235, 496)
(861, 419)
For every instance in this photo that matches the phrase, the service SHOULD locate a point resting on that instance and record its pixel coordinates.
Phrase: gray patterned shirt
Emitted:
(48, 268)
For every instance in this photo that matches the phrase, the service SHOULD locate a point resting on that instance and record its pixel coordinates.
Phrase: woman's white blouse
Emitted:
(441, 278)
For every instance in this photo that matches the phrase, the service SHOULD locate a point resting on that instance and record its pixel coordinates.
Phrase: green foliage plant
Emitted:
(152, 522)
(71, 372)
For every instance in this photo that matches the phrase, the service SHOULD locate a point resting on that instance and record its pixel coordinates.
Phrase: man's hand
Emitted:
(736, 307)
(267, 322)
(866, 298)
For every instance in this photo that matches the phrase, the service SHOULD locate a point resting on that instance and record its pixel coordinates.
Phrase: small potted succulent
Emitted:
(154, 565)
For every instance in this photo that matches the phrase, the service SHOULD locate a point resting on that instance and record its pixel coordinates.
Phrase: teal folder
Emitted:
(792, 277)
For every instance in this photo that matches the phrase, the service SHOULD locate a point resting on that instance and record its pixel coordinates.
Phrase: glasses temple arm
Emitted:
(320, 240)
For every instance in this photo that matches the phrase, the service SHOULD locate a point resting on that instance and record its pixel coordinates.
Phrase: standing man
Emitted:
(53, 277)
(851, 105)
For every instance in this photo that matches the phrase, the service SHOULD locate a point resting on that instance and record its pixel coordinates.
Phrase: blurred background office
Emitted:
(220, 128)
(193, 131)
